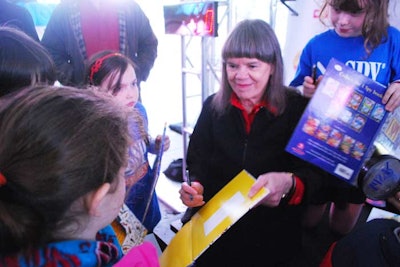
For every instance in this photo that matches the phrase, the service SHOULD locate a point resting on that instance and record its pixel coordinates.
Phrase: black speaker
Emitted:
(380, 177)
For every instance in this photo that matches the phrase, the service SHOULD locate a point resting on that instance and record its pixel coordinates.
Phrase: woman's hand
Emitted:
(309, 86)
(391, 98)
(192, 195)
(277, 183)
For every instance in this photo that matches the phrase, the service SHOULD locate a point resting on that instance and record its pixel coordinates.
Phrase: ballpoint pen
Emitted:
(314, 73)
(189, 182)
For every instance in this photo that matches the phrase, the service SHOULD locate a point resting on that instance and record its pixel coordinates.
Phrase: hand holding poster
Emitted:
(339, 126)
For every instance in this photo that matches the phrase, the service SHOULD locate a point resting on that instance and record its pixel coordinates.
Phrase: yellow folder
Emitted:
(211, 221)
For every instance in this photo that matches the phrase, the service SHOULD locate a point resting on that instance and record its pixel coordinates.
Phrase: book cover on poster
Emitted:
(211, 221)
(341, 122)
(388, 140)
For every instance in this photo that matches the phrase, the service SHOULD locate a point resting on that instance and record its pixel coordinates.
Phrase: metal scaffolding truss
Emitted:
(204, 65)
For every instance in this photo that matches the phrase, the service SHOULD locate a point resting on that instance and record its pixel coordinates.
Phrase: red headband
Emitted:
(3, 179)
(97, 64)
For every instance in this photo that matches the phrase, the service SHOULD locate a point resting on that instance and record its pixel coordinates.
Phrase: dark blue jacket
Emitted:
(63, 38)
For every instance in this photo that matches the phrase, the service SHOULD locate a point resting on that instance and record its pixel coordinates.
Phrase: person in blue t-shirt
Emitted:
(362, 38)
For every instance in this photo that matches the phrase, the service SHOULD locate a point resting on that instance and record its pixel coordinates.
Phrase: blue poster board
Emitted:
(338, 128)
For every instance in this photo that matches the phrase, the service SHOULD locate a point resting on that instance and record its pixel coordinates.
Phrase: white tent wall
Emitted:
(294, 31)
(394, 13)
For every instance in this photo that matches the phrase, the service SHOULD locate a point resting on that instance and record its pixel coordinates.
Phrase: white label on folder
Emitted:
(344, 171)
(230, 206)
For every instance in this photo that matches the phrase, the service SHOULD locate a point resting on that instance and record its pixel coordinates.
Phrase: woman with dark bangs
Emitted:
(362, 38)
(246, 125)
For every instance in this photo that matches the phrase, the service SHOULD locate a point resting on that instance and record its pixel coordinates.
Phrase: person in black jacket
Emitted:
(374, 243)
(79, 29)
(246, 125)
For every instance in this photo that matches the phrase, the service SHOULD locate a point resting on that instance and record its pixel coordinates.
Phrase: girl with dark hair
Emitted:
(115, 74)
(362, 38)
(246, 125)
(62, 157)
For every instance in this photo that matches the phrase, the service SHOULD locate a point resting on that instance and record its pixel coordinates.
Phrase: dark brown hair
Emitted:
(106, 64)
(57, 144)
(112, 64)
